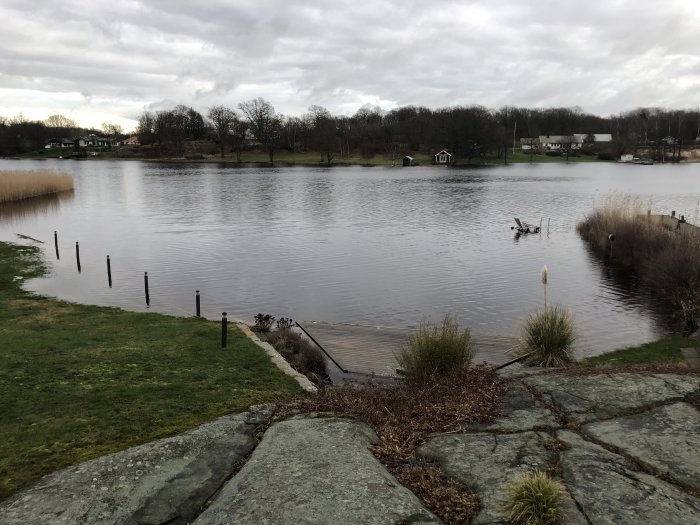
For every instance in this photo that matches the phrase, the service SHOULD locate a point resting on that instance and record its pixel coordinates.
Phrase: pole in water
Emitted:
(224, 330)
(77, 255)
(197, 303)
(145, 284)
(611, 238)
(548, 226)
(55, 243)
(109, 272)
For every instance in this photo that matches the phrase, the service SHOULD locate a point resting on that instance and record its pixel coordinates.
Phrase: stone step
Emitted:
(312, 470)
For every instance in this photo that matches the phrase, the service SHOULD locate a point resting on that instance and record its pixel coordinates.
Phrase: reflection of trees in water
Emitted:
(25, 208)
(631, 290)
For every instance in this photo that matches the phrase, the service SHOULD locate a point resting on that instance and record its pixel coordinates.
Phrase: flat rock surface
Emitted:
(609, 492)
(165, 481)
(315, 470)
(488, 462)
(667, 438)
(522, 412)
(591, 397)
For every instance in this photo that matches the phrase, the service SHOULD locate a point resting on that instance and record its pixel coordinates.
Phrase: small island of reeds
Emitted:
(17, 185)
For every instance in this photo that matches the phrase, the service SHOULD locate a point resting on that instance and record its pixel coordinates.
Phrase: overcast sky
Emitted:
(98, 61)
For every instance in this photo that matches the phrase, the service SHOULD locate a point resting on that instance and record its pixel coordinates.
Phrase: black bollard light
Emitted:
(109, 272)
(145, 284)
(224, 330)
(77, 255)
(197, 303)
(55, 243)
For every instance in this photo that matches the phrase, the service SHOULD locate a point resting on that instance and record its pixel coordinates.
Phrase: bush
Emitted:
(535, 499)
(548, 336)
(302, 354)
(435, 350)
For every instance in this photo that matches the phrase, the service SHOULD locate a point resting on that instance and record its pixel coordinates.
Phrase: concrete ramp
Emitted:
(371, 349)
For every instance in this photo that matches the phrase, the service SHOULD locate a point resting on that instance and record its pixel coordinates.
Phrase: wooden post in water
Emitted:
(55, 243)
(109, 272)
(224, 330)
(145, 284)
(197, 303)
(77, 255)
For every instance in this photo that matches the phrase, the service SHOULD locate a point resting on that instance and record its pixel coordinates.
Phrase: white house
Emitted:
(59, 143)
(443, 157)
(560, 142)
(529, 144)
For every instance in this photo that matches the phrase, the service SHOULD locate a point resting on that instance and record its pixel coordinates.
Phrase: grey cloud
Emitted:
(603, 56)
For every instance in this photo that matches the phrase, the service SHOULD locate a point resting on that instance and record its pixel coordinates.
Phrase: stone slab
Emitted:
(610, 493)
(315, 470)
(587, 398)
(667, 438)
(488, 462)
(521, 412)
(165, 481)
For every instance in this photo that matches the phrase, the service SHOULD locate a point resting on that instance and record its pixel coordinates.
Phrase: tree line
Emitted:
(466, 131)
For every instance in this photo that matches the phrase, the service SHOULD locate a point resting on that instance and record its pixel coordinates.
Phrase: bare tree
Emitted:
(239, 131)
(222, 120)
(59, 121)
(111, 130)
(265, 124)
(325, 132)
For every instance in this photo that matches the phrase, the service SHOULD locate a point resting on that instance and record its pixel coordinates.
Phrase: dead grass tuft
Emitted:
(23, 184)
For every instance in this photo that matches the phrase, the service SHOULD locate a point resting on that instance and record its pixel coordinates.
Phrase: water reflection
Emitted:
(17, 211)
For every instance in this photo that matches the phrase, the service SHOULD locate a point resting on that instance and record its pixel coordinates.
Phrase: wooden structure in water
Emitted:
(371, 349)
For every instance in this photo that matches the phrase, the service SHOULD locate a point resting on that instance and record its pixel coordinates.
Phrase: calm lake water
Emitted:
(377, 246)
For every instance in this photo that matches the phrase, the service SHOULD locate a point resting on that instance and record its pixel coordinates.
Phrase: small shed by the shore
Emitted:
(408, 160)
(443, 157)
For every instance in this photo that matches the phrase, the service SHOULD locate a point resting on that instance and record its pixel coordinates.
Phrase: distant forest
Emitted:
(466, 131)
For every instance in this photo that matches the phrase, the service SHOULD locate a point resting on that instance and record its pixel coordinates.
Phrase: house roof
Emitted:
(443, 152)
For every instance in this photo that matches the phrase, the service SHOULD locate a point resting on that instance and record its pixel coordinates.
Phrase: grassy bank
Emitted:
(80, 381)
(314, 158)
(22, 184)
(665, 351)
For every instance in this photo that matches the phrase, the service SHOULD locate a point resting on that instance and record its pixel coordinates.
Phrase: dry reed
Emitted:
(16, 185)
(666, 258)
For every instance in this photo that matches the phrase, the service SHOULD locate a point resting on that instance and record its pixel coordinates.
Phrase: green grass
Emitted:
(665, 351)
(81, 381)
(520, 157)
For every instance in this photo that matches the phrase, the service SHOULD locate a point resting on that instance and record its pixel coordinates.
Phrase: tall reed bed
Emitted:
(667, 259)
(23, 184)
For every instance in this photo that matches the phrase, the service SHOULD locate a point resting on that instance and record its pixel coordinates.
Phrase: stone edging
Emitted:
(279, 361)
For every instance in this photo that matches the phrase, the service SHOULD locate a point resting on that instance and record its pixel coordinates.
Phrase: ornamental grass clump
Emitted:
(535, 499)
(548, 338)
(435, 350)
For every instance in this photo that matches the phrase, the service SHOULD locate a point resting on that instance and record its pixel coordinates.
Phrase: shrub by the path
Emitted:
(548, 338)
(435, 350)
(535, 499)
